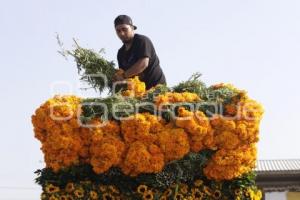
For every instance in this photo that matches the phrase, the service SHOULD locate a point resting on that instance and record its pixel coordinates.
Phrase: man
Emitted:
(137, 56)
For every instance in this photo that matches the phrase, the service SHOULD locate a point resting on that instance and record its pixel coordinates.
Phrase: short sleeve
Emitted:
(144, 48)
(119, 58)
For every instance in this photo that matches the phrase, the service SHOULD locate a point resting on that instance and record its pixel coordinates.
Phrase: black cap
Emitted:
(124, 19)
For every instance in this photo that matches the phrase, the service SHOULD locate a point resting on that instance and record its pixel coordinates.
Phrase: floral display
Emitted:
(186, 142)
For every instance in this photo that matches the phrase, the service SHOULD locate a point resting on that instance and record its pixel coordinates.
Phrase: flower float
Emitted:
(185, 142)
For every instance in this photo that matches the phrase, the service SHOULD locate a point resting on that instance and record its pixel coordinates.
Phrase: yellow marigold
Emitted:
(230, 164)
(105, 152)
(156, 123)
(135, 87)
(61, 151)
(226, 139)
(174, 143)
(142, 159)
(226, 85)
(111, 128)
(55, 125)
(231, 109)
(198, 127)
(175, 97)
(141, 127)
(85, 135)
(248, 131)
(250, 110)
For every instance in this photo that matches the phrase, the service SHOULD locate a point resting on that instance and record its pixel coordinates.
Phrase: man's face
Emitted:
(125, 32)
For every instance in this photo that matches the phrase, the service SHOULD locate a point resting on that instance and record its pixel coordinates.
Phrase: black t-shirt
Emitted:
(142, 47)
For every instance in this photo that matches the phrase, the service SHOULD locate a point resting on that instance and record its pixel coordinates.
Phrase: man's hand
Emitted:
(119, 75)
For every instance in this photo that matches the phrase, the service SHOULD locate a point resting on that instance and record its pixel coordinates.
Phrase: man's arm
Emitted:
(137, 68)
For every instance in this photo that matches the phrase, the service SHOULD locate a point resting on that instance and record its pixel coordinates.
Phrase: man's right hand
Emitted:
(119, 75)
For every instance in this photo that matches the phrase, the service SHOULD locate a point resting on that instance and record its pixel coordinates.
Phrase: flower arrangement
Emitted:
(185, 142)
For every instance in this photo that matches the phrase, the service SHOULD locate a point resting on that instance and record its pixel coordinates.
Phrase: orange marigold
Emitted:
(141, 158)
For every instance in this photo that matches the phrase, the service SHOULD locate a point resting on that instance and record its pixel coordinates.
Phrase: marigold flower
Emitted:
(174, 143)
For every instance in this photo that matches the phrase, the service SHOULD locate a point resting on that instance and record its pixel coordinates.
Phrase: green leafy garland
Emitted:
(92, 66)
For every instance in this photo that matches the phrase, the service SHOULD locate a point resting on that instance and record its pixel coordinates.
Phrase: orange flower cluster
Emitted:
(234, 138)
(140, 144)
(135, 87)
(236, 141)
(64, 141)
(198, 127)
(151, 144)
(143, 143)
(55, 125)
(226, 85)
(142, 158)
(143, 127)
(106, 152)
(229, 164)
(174, 142)
(175, 97)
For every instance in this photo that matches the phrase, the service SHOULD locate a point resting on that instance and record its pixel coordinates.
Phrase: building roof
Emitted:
(278, 175)
(288, 165)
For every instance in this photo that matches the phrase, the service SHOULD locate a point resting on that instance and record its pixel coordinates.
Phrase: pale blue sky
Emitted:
(254, 44)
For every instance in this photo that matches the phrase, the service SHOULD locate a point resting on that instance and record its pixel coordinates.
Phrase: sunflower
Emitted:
(43, 196)
(102, 188)
(238, 192)
(168, 192)
(79, 193)
(207, 190)
(198, 182)
(184, 189)
(148, 195)
(52, 189)
(107, 196)
(179, 197)
(63, 197)
(70, 197)
(217, 194)
(70, 187)
(142, 189)
(163, 197)
(113, 189)
(52, 197)
(196, 193)
(93, 195)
